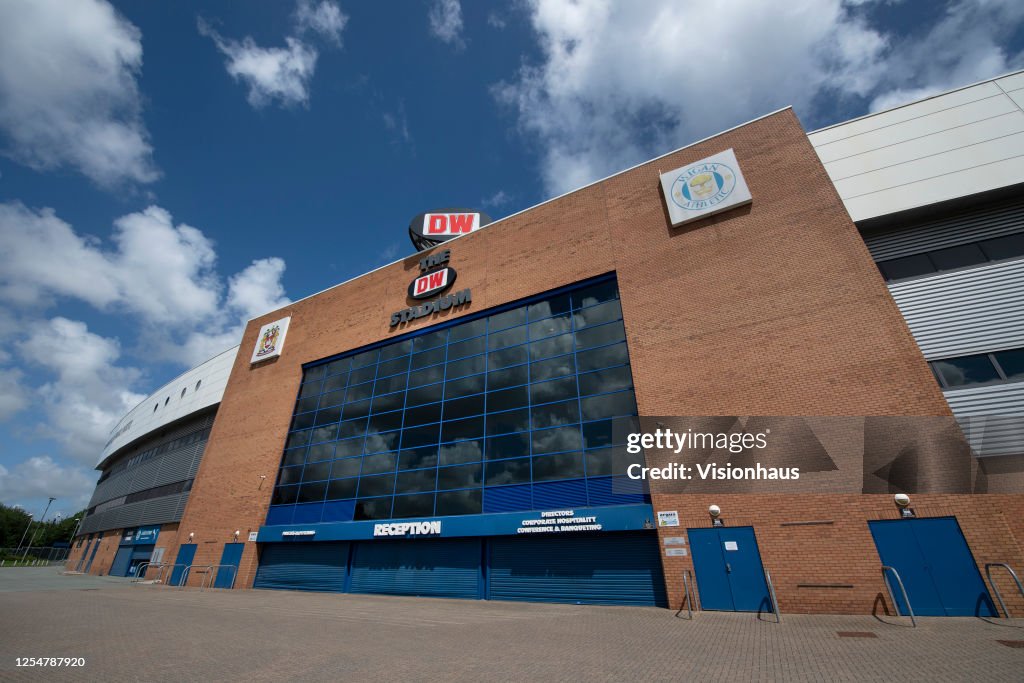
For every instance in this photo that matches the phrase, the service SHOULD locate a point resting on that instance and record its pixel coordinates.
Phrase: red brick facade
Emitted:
(775, 308)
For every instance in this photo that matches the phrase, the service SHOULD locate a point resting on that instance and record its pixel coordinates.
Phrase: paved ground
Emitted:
(152, 633)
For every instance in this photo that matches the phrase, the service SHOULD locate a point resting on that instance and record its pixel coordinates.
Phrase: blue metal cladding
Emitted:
(607, 569)
(727, 564)
(935, 565)
(303, 566)
(506, 409)
(441, 568)
(119, 567)
(186, 553)
(231, 557)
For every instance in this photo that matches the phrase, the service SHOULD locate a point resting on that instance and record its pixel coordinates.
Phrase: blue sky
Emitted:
(169, 170)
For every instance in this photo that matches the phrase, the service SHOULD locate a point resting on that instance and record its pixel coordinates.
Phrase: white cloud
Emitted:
(281, 74)
(13, 398)
(39, 477)
(621, 82)
(90, 392)
(961, 48)
(325, 18)
(398, 125)
(496, 200)
(445, 18)
(163, 273)
(68, 90)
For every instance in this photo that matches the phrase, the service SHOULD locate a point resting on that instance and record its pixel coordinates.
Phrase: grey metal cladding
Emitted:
(993, 220)
(161, 510)
(967, 311)
(175, 466)
(992, 417)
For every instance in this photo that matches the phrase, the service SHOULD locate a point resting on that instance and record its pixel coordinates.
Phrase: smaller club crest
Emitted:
(269, 341)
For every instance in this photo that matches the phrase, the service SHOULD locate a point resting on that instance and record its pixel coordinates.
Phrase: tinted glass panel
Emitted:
(598, 315)
(467, 330)
(461, 452)
(552, 368)
(609, 405)
(428, 341)
(508, 446)
(465, 502)
(379, 463)
(555, 414)
(967, 370)
(464, 387)
(459, 477)
(553, 390)
(516, 316)
(376, 486)
(422, 414)
(595, 294)
(317, 471)
(394, 351)
(509, 377)
(290, 475)
(558, 439)
(604, 381)
(416, 458)
(339, 489)
(1012, 363)
(416, 480)
(908, 266)
(957, 257)
(466, 366)
(507, 399)
(463, 407)
(470, 347)
(348, 467)
(285, 495)
(419, 505)
(561, 466)
(348, 448)
(506, 338)
(507, 472)
(503, 358)
(509, 421)
(1009, 246)
(362, 375)
(432, 357)
(374, 508)
(312, 493)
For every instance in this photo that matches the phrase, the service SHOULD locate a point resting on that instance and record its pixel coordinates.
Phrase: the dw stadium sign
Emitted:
(430, 229)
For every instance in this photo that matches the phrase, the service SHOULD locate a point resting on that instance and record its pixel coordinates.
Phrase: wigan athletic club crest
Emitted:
(270, 340)
(703, 188)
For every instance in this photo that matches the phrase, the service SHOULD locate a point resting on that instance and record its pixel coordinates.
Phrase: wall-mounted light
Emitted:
(237, 532)
(901, 499)
(191, 535)
(263, 478)
(714, 511)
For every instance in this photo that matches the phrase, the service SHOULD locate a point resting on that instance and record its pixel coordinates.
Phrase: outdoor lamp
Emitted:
(714, 511)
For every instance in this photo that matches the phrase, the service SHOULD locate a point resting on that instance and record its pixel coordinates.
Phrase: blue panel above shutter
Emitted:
(303, 566)
(610, 568)
(448, 568)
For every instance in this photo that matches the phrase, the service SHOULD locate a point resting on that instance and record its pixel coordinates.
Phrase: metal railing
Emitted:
(771, 593)
(999, 597)
(689, 594)
(892, 596)
(214, 574)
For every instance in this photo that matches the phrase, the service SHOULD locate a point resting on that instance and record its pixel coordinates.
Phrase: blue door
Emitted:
(186, 553)
(85, 553)
(603, 569)
(303, 566)
(728, 567)
(122, 559)
(936, 566)
(231, 556)
(92, 556)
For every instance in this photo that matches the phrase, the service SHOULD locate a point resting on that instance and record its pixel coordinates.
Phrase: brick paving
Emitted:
(153, 633)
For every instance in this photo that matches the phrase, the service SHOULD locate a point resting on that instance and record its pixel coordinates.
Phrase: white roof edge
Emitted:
(923, 99)
(535, 206)
(168, 383)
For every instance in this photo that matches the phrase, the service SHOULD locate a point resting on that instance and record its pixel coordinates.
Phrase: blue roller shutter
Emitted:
(448, 568)
(603, 569)
(303, 566)
(119, 567)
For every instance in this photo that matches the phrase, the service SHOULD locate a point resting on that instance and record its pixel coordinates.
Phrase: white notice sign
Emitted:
(731, 545)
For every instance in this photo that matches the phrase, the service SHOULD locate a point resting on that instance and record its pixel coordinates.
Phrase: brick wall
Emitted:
(770, 309)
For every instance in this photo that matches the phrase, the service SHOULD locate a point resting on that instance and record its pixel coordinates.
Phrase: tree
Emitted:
(14, 521)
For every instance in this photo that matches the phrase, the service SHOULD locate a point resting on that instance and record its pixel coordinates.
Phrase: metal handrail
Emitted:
(183, 579)
(896, 605)
(771, 592)
(139, 570)
(999, 597)
(234, 575)
(686, 588)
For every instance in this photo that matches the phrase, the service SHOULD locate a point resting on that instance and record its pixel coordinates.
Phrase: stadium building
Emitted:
(457, 423)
